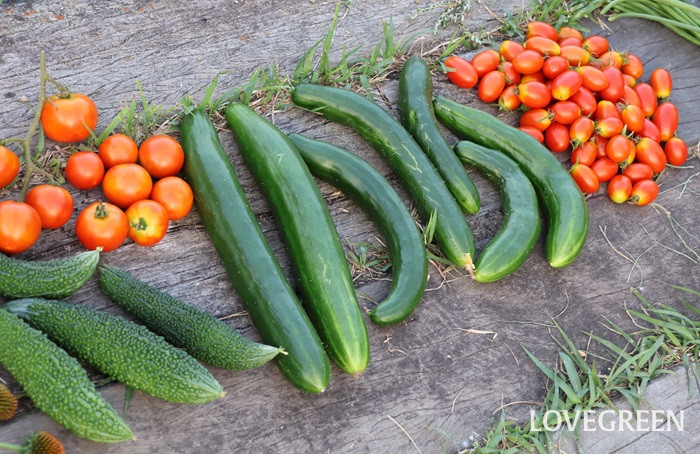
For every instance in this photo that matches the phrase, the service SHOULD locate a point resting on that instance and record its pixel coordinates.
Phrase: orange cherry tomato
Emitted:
(539, 119)
(535, 95)
(631, 97)
(148, 222)
(534, 132)
(606, 109)
(585, 100)
(616, 85)
(566, 84)
(676, 151)
(585, 178)
(509, 49)
(9, 166)
(486, 61)
(175, 195)
(644, 192)
(67, 119)
(633, 67)
(571, 41)
(600, 143)
(610, 58)
(651, 131)
(534, 77)
(512, 76)
(85, 170)
(633, 118)
(666, 119)
(651, 153)
(581, 130)
(592, 78)
(161, 156)
(568, 32)
(629, 80)
(543, 46)
(575, 55)
(543, 29)
(585, 154)
(553, 66)
(118, 149)
(508, 100)
(491, 86)
(464, 74)
(125, 184)
(528, 62)
(596, 45)
(20, 226)
(647, 98)
(53, 204)
(609, 127)
(101, 225)
(565, 112)
(661, 82)
(619, 188)
(605, 169)
(556, 137)
(619, 148)
(638, 171)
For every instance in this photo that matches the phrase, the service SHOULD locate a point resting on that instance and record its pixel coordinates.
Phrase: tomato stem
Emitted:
(101, 211)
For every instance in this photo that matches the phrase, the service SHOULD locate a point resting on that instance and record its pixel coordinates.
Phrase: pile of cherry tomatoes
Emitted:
(577, 92)
(137, 207)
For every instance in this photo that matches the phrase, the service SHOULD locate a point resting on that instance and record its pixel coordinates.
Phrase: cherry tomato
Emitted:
(647, 98)
(632, 98)
(566, 84)
(596, 45)
(148, 222)
(629, 80)
(606, 109)
(118, 149)
(608, 127)
(161, 156)
(535, 95)
(568, 32)
(534, 77)
(581, 130)
(101, 225)
(676, 151)
(576, 56)
(553, 66)
(512, 76)
(651, 131)
(556, 137)
(605, 169)
(125, 184)
(619, 148)
(175, 195)
(565, 112)
(528, 62)
(491, 86)
(610, 58)
(585, 154)
(633, 67)
(67, 118)
(486, 61)
(666, 119)
(20, 226)
(600, 143)
(534, 132)
(619, 188)
(661, 82)
(585, 178)
(592, 78)
(9, 166)
(509, 49)
(651, 153)
(571, 41)
(539, 119)
(53, 204)
(616, 85)
(585, 100)
(543, 46)
(638, 171)
(85, 170)
(464, 74)
(644, 192)
(543, 29)
(633, 118)
(508, 100)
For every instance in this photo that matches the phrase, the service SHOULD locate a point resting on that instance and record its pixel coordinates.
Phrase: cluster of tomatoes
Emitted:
(125, 184)
(577, 92)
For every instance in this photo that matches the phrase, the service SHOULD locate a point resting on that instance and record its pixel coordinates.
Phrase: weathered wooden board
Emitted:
(442, 384)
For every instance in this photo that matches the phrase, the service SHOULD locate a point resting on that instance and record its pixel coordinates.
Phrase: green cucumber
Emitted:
(417, 116)
(123, 350)
(201, 335)
(252, 267)
(425, 186)
(567, 213)
(521, 219)
(318, 259)
(51, 279)
(357, 179)
(57, 383)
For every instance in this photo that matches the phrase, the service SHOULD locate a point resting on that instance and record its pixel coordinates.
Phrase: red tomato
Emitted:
(528, 62)
(20, 226)
(610, 58)
(644, 192)
(85, 170)
(651, 153)
(565, 112)
(175, 195)
(148, 222)
(576, 56)
(508, 99)
(585, 178)
(600, 143)
(571, 41)
(633, 67)
(619, 188)
(556, 137)
(565, 85)
(605, 169)
(162, 156)
(666, 119)
(581, 130)
(676, 151)
(638, 171)
(535, 77)
(650, 130)
(9, 166)
(509, 49)
(608, 127)
(629, 80)
(592, 78)
(619, 148)
(585, 100)
(606, 109)
(464, 74)
(661, 82)
(631, 97)
(585, 154)
(101, 225)
(568, 32)
(647, 98)
(539, 119)
(491, 86)
(541, 29)
(543, 46)
(553, 66)
(596, 45)
(534, 132)
(535, 95)
(512, 76)
(67, 119)
(616, 85)
(125, 184)
(486, 61)
(118, 149)
(53, 204)
(633, 118)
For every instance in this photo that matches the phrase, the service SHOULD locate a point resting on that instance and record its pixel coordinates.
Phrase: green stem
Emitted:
(662, 20)
(10, 447)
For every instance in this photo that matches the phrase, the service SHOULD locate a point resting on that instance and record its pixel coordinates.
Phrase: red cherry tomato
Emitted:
(118, 149)
(650, 130)
(592, 78)
(534, 132)
(565, 112)
(556, 137)
(571, 41)
(629, 80)
(509, 49)
(651, 153)
(101, 225)
(633, 67)
(486, 61)
(568, 32)
(585, 178)
(616, 85)
(596, 45)
(619, 148)
(85, 170)
(566, 84)
(585, 154)
(464, 74)
(647, 98)
(631, 97)
(161, 156)
(581, 130)
(605, 169)
(528, 62)
(534, 94)
(175, 195)
(9, 166)
(539, 119)
(553, 66)
(67, 118)
(661, 82)
(53, 204)
(543, 29)
(491, 86)
(644, 192)
(148, 222)
(125, 184)
(676, 151)
(600, 143)
(619, 188)
(585, 100)
(575, 55)
(608, 127)
(633, 118)
(666, 119)
(610, 58)
(508, 100)
(638, 171)
(543, 46)
(20, 226)
(508, 70)
(606, 109)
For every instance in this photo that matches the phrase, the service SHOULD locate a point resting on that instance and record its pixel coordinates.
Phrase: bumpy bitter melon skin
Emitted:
(50, 279)
(201, 335)
(127, 352)
(57, 384)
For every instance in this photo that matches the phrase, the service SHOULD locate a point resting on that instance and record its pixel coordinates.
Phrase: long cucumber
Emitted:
(357, 179)
(407, 160)
(318, 259)
(246, 255)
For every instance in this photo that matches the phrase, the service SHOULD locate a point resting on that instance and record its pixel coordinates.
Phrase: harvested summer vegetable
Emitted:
(246, 255)
(357, 179)
(127, 352)
(307, 228)
(198, 333)
(56, 382)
